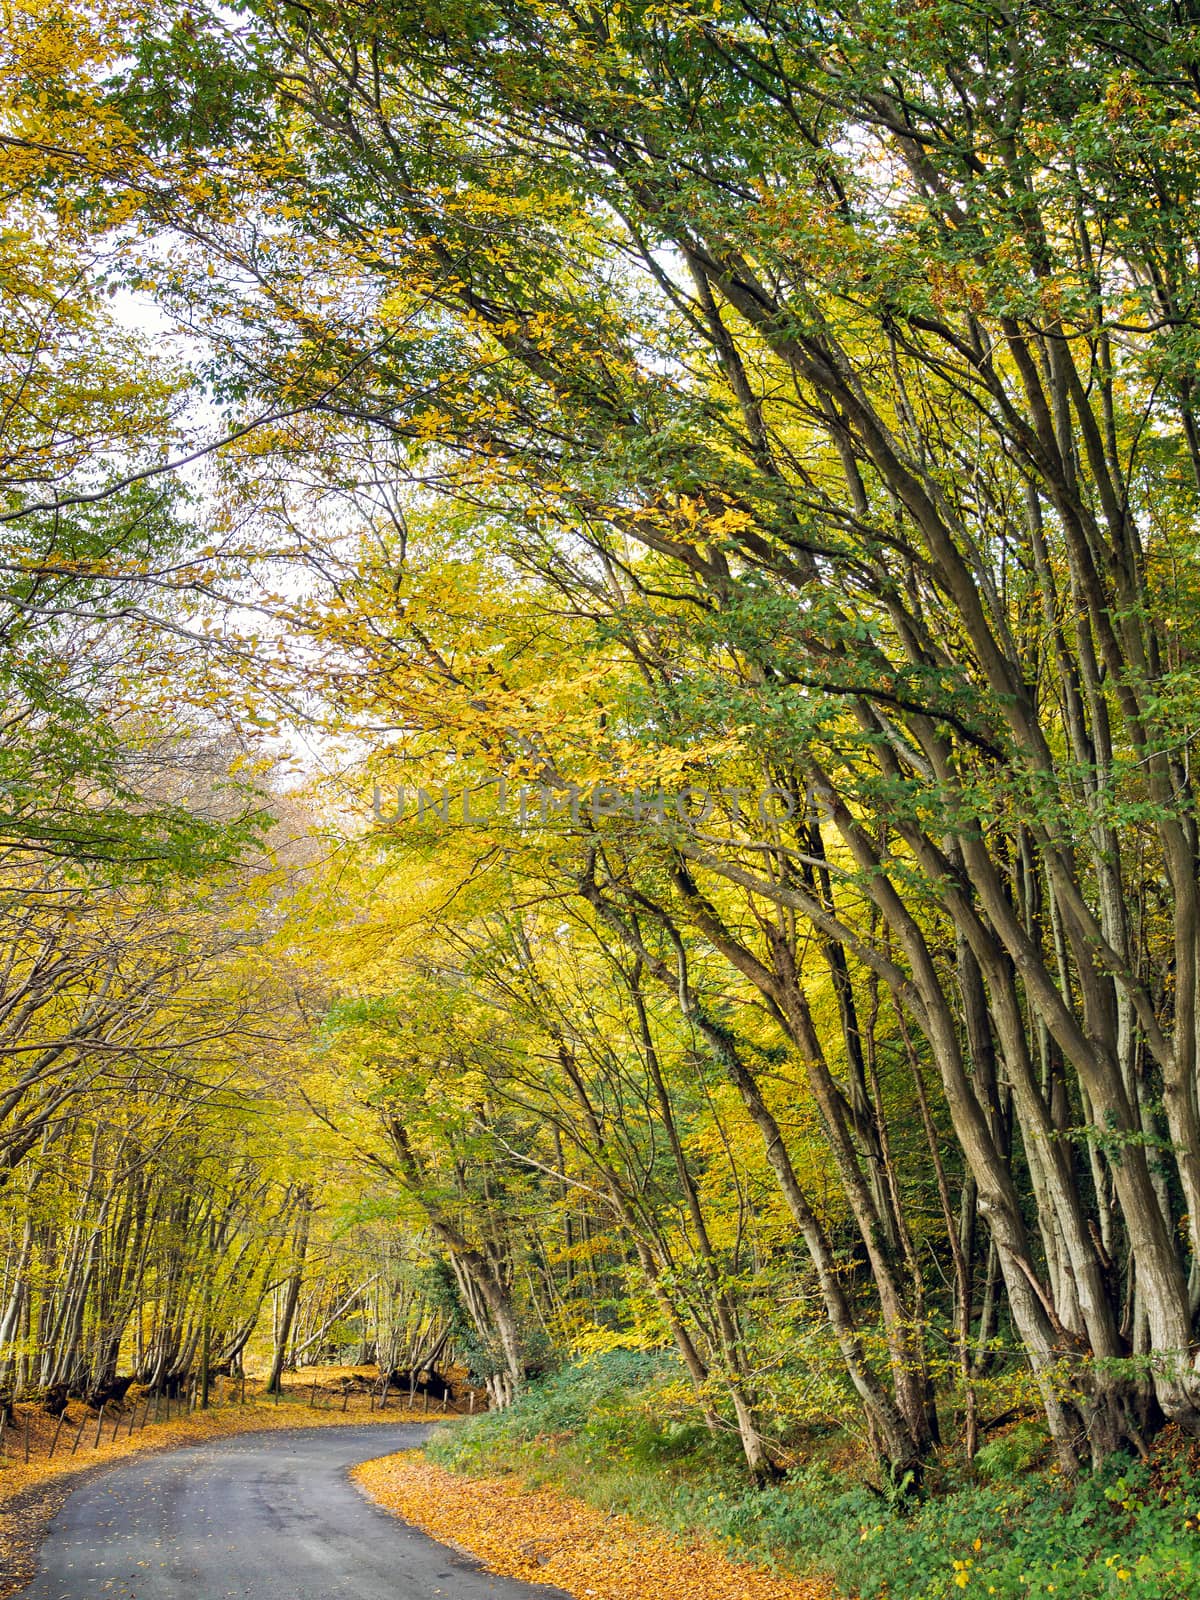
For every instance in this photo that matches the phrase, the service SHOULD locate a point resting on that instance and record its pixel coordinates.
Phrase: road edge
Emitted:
(27, 1512)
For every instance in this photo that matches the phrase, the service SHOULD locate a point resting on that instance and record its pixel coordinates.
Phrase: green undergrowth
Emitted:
(611, 1431)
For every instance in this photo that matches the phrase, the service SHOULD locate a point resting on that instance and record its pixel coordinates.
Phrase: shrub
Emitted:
(1013, 1452)
(603, 1429)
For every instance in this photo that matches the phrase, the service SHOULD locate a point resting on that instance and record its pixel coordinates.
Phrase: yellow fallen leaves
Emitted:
(547, 1537)
(196, 1428)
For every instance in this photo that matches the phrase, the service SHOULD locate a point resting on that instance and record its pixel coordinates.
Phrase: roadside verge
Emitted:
(544, 1536)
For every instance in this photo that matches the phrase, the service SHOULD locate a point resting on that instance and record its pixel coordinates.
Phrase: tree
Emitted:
(815, 398)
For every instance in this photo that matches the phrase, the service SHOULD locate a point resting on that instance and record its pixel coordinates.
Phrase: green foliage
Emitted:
(589, 1400)
(1131, 1530)
(1017, 1451)
(202, 83)
(1117, 1533)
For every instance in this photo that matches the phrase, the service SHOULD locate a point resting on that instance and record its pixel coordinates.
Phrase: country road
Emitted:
(268, 1516)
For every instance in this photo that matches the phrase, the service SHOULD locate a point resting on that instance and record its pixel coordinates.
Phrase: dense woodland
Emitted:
(600, 656)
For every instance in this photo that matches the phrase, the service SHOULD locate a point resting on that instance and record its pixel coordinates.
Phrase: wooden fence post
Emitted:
(79, 1434)
(57, 1431)
(27, 1438)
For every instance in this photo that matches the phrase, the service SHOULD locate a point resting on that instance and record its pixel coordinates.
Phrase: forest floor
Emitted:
(608, 1430)
(544, 1536)
(32, 1493)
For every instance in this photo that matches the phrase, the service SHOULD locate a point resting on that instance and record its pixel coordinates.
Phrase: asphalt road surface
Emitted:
(268, 1516)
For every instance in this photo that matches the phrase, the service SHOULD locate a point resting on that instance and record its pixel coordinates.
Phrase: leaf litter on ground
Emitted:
(544, 1536)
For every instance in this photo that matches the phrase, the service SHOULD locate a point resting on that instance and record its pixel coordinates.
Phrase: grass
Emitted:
(1009, 1529)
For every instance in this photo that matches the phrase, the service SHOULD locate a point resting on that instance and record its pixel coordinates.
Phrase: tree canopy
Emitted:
(726, 479)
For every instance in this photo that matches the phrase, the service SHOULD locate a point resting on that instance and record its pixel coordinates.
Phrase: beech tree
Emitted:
(767, 439)
(853, 354)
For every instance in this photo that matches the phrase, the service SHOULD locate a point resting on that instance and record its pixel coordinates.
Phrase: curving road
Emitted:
(268, 1516)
